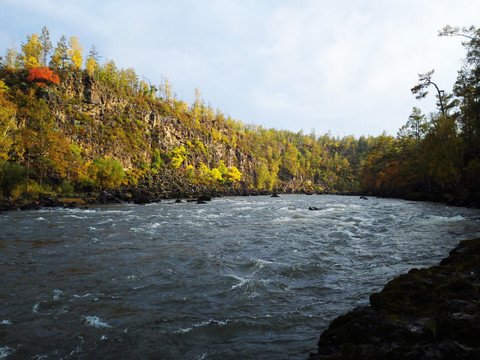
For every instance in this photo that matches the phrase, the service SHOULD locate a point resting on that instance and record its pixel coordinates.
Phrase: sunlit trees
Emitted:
(106, 173)
(7, 122)
(75, 52)
(60, 54)
(45, 149)
(31, 51)
(11, 59)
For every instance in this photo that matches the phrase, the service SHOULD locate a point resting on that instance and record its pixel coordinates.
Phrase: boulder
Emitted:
(431, 313)
(204, 198)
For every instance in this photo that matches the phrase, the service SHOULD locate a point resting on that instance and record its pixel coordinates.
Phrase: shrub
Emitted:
(11, 175)
(66, 188)
(33, 190)
(107, 173)
(43, 76)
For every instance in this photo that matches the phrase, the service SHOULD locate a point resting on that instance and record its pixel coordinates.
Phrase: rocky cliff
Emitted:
(106, 121)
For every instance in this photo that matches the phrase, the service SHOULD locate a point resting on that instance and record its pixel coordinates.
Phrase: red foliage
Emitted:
(43, 76)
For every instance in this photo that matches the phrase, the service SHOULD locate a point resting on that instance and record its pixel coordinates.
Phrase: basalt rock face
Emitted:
(431, 313)
(105, 121)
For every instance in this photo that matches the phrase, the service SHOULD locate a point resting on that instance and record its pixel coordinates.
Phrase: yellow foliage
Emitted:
(75, 52)
(32, 51)
(31, 62)
(233, 174)
(7, 122)
(178, 156)
(91, 66)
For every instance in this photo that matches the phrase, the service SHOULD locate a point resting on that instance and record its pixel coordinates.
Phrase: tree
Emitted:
(419, 90)
(94, 54)
(11, 59)
(60, 54)
(415, 127)
(165, 90)
(107, 173)
(92, 63)
(31, 52)
(109, 73)
(7, 122)
(43, 76)
(290, 162)
(75, 52)
(90, 66)
(46, 45)
(467, 89)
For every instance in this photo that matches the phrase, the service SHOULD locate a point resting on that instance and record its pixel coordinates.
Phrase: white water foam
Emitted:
(35, 308)
(242, 281)
(5, 351)
(57, 293)
(81, 296)
(95, 321)
(202, 324)
(5, 322)
(443, 219)
(201, 357)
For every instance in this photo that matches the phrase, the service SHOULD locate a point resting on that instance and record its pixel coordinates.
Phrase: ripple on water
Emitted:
(237, 278)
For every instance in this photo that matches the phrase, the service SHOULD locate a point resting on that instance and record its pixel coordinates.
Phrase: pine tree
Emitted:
(46, 46)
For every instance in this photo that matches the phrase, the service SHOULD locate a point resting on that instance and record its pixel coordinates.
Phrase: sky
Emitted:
(342, 67)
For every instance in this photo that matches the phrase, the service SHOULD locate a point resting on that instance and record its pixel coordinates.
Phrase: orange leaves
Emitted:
(43, 76)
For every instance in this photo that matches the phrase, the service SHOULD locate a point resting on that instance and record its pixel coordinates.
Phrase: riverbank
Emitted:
(431, 313)
(139, 196)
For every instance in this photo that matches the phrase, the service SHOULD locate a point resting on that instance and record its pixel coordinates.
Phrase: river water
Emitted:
(236, 278)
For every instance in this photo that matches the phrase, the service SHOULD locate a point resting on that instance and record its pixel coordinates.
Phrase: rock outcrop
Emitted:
(431, 313)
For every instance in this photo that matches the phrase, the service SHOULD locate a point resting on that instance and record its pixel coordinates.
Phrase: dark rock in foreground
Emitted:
(431, 313)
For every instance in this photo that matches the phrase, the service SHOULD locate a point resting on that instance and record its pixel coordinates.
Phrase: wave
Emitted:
(5, 351)
(95, 321)
(437, 218)
(5, 322)
(242, 282)
(202, 324)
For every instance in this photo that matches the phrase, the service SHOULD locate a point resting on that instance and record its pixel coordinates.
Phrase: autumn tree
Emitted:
(7, 122)
(31, 51)
(43, 76)
(60, 54)
(165, 90)
(106, 173)
(75, 52)
(11, 58)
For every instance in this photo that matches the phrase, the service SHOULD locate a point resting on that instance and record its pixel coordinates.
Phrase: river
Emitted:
(236, 278)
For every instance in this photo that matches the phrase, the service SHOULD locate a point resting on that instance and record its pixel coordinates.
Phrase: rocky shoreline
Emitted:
(135, 196)
(431, 313)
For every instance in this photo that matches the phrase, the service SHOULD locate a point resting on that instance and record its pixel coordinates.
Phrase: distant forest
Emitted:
(71, 124)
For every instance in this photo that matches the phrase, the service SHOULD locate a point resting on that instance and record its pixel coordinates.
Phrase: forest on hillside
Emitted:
(69, 123)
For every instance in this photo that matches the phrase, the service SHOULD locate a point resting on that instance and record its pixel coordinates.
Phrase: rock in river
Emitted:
(431, 313)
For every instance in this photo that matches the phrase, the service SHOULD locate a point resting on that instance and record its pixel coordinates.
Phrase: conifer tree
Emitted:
(60, 54)
(46, 46)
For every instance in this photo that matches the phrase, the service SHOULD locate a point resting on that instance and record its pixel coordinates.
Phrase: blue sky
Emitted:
(341, 66)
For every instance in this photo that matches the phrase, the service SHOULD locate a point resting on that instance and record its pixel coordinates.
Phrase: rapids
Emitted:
(236, 278)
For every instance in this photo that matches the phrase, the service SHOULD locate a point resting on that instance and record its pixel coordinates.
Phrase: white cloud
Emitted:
(339, 65)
